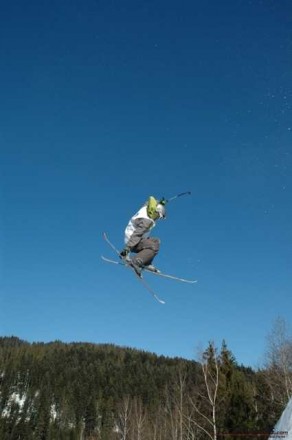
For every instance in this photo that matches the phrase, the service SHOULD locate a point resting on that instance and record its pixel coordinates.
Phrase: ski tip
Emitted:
(104, 236)
(161, 301)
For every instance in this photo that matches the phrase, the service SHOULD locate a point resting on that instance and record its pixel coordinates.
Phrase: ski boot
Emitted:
(137, 265)
(152, 268)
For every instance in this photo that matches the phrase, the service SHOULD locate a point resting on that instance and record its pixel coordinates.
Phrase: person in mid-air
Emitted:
(137, 239)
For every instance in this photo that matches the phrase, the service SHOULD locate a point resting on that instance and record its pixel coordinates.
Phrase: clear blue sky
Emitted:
(105, 102)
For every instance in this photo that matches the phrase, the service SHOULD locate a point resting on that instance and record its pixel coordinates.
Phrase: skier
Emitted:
(137, 239)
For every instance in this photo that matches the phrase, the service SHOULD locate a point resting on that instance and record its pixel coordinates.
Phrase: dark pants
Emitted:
(146, 250)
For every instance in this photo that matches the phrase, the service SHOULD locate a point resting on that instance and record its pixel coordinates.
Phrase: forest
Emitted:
(84, 391)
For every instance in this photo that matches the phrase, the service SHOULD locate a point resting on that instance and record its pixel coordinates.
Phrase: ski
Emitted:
(145, 284)
(161, 274)
(155, 273)
(148, 288)
(110, 243)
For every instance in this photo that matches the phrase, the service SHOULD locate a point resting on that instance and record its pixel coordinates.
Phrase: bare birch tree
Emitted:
(177, 408)
(123, 420)
(138, 420)
(204, 404)
(158, 425)
(279, 362)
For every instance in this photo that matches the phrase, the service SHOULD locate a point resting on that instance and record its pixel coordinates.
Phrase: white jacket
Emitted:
(138, 227)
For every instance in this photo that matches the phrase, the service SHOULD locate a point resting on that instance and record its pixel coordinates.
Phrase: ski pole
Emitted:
(178, 195)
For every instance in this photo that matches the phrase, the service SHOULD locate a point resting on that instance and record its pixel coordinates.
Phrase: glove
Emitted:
(125, 252)
(162, 201)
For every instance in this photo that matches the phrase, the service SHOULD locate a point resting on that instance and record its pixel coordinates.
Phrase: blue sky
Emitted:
(104, 103)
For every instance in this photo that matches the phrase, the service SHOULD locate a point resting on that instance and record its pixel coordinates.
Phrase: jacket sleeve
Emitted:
(142, 226)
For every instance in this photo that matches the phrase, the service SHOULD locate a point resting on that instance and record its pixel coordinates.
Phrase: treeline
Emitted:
(75, 391)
